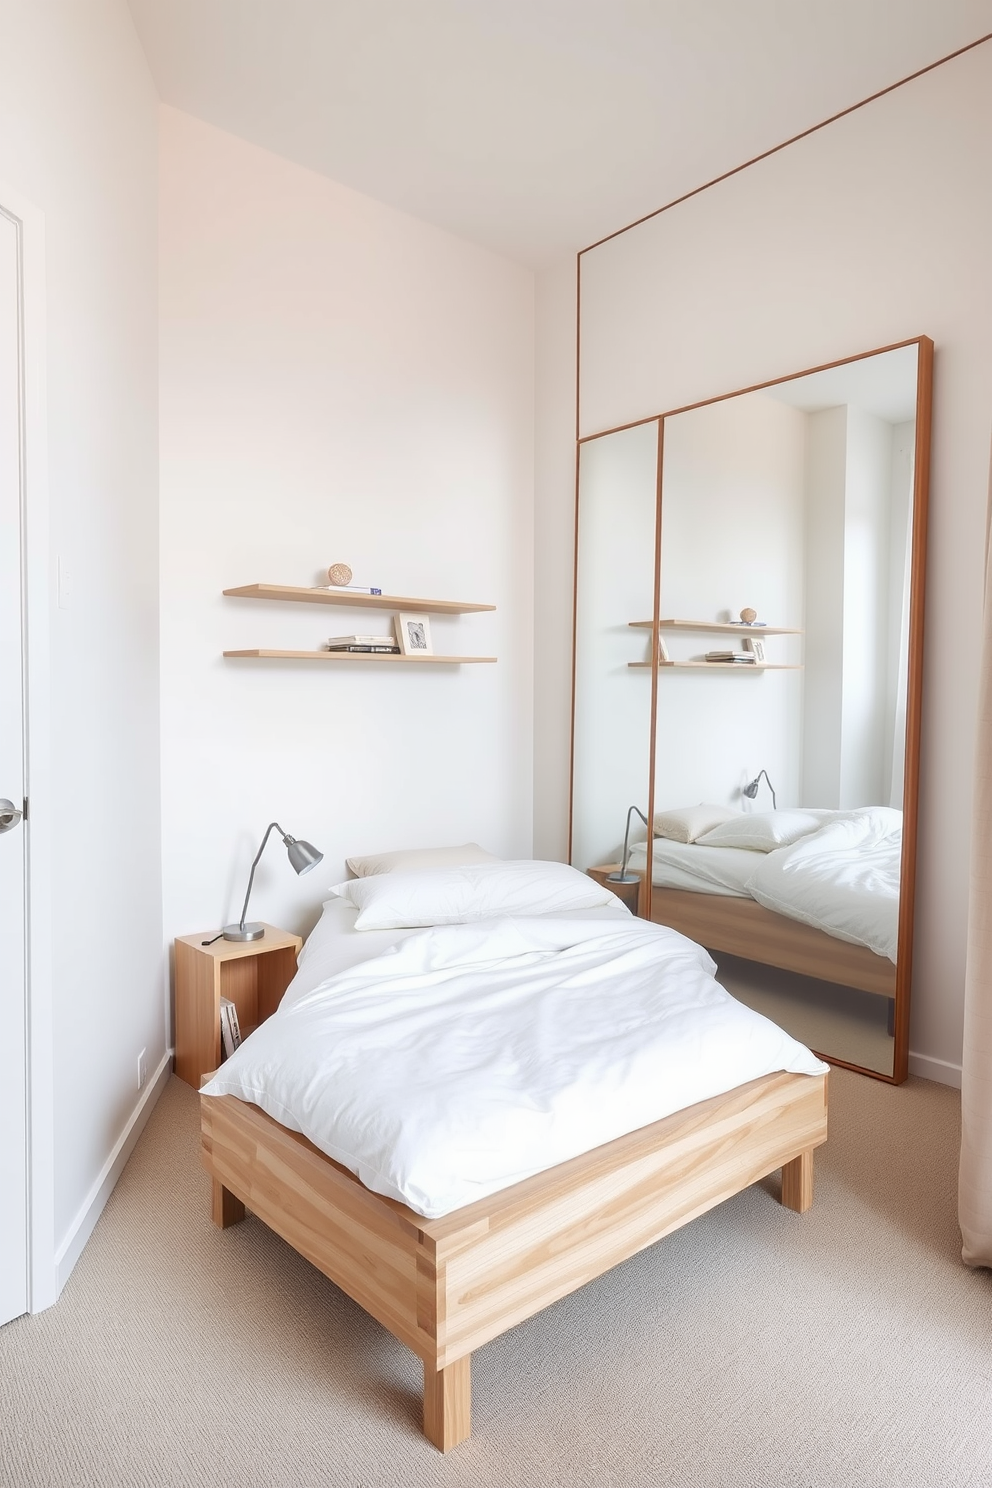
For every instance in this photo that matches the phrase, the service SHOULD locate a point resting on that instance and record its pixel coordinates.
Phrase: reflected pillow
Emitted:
(478, 891)
(419, 857)
(688, 823)
(764, 831)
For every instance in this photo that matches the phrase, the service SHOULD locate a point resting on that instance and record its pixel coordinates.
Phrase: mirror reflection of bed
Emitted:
(783, 750)
(781, 904)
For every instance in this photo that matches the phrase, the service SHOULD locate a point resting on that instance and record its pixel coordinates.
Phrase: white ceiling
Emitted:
(534, 126)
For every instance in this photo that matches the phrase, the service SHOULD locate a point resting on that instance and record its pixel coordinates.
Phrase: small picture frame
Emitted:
(413, 632)
(756, 646)
(662, 649)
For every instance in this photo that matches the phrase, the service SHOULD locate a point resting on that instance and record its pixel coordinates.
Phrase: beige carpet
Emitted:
(755, 1347)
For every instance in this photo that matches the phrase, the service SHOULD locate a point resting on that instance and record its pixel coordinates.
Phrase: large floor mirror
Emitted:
(748, 656)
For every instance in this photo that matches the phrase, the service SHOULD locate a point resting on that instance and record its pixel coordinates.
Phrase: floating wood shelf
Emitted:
(363, 656)
(725, 627)
(353, 601)
(722, 666)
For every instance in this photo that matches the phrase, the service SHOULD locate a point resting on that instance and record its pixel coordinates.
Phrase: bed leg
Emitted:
(797, 1182)
(225, 1208)
(448, 1403)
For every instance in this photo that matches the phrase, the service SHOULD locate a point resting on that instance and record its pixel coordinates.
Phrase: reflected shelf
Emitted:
(725, 627)
(720, 666)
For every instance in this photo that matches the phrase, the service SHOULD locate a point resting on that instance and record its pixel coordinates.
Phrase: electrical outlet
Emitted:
(142, 1069)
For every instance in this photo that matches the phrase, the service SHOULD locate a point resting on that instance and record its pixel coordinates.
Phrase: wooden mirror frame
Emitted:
(799, 946)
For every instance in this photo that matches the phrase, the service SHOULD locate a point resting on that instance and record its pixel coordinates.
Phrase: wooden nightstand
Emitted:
(253, 974)
(628, 894)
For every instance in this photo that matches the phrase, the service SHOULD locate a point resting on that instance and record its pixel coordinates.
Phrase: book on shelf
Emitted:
(377, 644)
(350, 589)
(362, 640)
(392, 650)
(735, 658)
(230, 1029)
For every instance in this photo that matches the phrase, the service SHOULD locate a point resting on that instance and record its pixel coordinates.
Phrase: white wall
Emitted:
(78, 121)
(823, 693)
(900, 574)
(855, 551)
(554, 553)
(859, 492)
(338, 382)
(732, 536)
(874, 229)
(618, 502)
(867, 544)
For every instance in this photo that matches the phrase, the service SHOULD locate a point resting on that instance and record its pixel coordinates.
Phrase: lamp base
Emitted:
(252, 931)
(623, 878)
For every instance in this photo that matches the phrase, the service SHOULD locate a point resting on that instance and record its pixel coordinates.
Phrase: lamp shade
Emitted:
(751, 789)
(302, 855)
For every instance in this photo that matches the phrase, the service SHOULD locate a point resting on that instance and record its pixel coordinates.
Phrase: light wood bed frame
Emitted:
(446, 1286)
(742, 927)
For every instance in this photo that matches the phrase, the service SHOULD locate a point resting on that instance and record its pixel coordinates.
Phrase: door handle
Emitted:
(10, 815)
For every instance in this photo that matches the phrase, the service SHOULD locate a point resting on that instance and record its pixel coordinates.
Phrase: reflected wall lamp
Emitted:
(751, 789)
(302, 856)
(623, 876)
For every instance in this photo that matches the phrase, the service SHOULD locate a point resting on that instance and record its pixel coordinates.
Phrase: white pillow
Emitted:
(420, 857)
(690, 822)
(478, 891)
(764, 831)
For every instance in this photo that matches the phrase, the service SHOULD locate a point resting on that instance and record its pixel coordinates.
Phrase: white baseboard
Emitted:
(940, 1070)
(84, 1223)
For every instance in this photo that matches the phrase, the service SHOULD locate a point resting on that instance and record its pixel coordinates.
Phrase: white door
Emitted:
(13, 831)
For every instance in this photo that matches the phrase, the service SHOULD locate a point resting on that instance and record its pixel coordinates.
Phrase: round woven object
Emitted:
(339, 573)
(748, 616)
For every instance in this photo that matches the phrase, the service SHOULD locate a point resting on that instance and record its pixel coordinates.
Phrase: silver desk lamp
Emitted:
(751, 789)
(302, 856)
(623, 876)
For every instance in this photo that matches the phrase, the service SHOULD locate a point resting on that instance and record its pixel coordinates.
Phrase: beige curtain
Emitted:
(975, 1188)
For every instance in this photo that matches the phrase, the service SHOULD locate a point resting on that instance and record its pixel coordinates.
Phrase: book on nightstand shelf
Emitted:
(230, 1029)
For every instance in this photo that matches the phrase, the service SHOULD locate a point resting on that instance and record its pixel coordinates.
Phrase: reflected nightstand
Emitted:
(628, 894)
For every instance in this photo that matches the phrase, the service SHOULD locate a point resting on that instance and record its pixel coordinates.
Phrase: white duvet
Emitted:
(843, 879)
(701, 870)
(465, 1059)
